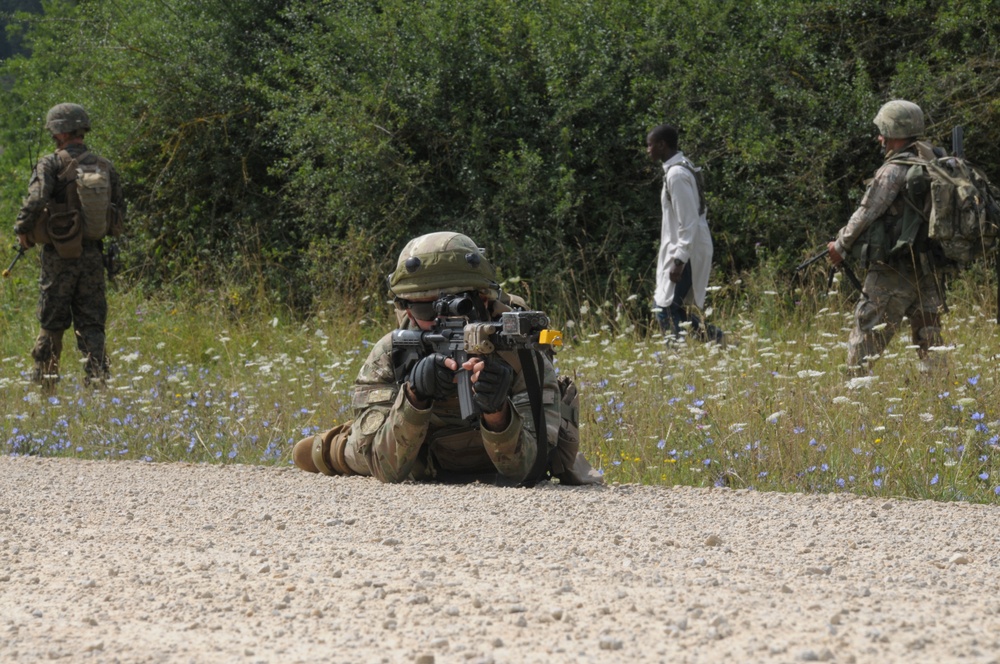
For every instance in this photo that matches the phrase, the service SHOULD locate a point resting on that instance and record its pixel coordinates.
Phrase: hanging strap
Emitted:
(532, 381)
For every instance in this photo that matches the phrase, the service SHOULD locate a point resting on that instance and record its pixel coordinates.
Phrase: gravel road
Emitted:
(140, 562)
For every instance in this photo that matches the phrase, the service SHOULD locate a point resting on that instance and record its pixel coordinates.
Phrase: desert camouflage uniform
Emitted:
(906, 286)
(72, 289)
(394, 441)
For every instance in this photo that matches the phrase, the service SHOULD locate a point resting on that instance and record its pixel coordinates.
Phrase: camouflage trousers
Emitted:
(72, 293)
(890, 293)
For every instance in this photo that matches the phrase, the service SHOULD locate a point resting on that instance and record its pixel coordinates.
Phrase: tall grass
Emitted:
(198, 379)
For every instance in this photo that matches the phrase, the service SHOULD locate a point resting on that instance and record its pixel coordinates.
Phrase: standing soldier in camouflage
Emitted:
(74, 200)
(901, 280)
(407, 418)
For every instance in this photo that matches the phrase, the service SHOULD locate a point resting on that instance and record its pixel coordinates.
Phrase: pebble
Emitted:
(713, 540)
(609, 643)
(424, 659)
(959, 559)
(264, 569)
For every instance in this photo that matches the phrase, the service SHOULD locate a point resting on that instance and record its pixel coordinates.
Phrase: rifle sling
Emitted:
(532, 382)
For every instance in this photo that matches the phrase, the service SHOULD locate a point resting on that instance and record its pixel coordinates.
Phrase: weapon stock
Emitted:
(20, 252)
(843, 266)
(458, 337)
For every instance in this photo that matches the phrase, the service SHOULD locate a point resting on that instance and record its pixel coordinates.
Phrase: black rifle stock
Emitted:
(112, 260)
(20, 252)
(458, 337)
(842, 265)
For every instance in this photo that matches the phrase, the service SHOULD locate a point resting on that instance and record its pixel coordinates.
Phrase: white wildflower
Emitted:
(773, 417)
(145, 368)
(860, 382)
(810, 373)
(926, 417)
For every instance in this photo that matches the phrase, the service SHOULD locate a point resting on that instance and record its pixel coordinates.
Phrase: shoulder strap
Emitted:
(67, 176)
(697, 182)
(533, 382)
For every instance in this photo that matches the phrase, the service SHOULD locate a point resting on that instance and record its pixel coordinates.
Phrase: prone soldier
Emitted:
(516, 423)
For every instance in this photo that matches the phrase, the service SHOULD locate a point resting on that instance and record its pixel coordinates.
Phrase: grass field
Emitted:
(196, 381)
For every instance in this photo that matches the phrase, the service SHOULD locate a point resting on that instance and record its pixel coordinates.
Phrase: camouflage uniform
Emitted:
(394, 441)
(72, 289)
(406, 429)
(904, 284)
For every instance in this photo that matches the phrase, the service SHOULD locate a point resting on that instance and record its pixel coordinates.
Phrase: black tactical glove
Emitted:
(431, 379)
(492, 386)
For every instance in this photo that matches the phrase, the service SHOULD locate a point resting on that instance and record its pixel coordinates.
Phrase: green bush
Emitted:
(293, 146)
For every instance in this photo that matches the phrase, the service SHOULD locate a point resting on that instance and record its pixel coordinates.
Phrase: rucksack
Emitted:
(91, 176)
(963, 221)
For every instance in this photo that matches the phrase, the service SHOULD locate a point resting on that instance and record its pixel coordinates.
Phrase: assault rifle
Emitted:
(112, 260)
(853, 278)
(458, 333)
(20, 252)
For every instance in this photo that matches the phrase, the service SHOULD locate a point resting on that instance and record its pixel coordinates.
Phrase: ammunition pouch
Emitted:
(63, 229)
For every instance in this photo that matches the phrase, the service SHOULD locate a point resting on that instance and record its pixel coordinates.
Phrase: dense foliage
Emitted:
(289, 147)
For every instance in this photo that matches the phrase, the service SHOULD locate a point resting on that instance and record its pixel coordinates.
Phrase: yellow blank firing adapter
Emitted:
(550, 337)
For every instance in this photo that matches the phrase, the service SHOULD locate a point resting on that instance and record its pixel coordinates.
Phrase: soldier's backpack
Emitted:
(91, 177)
(963, 220)
(87, 213)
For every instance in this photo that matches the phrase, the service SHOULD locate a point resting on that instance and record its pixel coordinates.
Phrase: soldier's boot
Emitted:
(90, 341)
(96, 371)
(324, 452)
(46, 353)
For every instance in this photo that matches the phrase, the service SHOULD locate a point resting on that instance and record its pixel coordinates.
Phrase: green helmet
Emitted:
(442, 263)
(900, 119)
(66, 118)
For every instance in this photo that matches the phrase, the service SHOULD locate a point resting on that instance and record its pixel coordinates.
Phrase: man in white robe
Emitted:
(684, 261)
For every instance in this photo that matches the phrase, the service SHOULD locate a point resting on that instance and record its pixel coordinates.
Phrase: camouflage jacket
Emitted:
(881, 199)
(402, 442)
(44, 186)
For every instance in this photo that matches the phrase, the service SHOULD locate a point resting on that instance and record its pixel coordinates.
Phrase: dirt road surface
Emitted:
(140, 562)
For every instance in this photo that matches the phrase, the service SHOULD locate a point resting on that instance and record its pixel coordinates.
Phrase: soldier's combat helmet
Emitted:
(66, 118)
(439, 264)
(900, 119)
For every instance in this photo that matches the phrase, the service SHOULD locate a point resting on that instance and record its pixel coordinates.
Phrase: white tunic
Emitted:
(684, 234)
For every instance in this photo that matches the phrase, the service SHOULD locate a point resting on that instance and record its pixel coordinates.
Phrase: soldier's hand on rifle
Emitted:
(433, 378)
(491, 381)
(834, 257)
(676, 270)
(24, 241)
